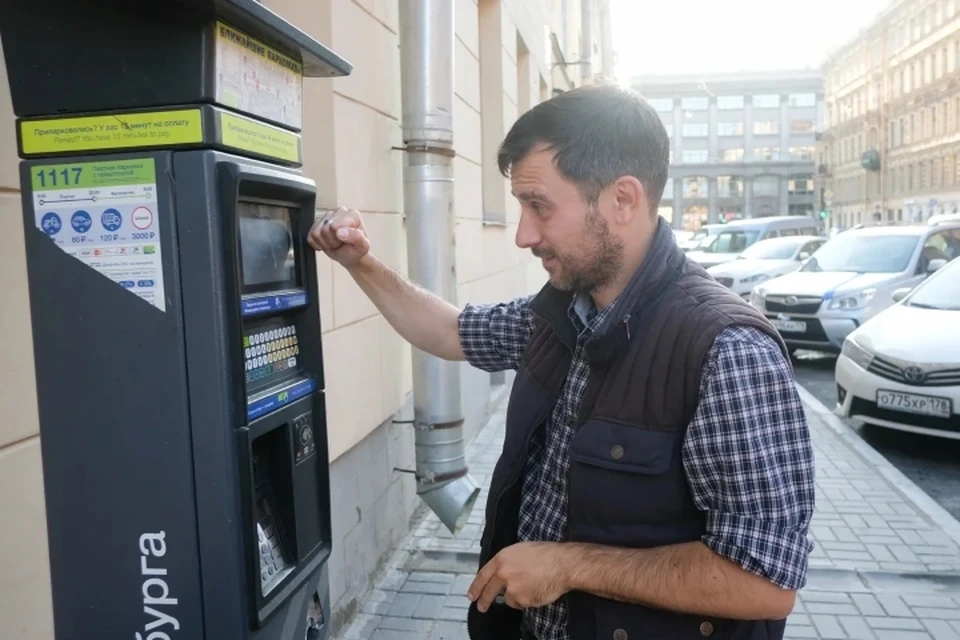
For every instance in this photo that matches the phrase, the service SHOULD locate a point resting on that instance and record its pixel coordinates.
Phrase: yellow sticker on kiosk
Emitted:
(112, 132)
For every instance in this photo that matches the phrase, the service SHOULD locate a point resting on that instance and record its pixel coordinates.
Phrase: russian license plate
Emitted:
(790, 326)
(916, 404)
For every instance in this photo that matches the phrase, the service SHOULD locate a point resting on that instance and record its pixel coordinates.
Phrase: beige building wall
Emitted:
(894, 90)
(504, 62)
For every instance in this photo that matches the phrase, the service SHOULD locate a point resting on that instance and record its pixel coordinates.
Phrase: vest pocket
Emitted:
(626, 485)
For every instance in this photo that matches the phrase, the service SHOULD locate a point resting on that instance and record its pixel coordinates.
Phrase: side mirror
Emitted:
(935, 264)
(804, 256)
(901, 293)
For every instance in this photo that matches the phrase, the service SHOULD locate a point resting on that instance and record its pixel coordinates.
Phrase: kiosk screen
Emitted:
(268, 260)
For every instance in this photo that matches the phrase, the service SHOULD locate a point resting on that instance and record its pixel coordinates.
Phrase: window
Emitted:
(939, 246)
(802, 126)
(696, 130)
(729, 102)
(694, 156)
(661, 104)
(859, 253)
(775, 249)
(730, 187)
(800, 185)
(802, 99)
(766, 153)
(940, 292)
(766, 186)
(698, 103)
(802, 153)
(733, 241)
(729, 128)
(766, 101)
(766, 128)
(695, 187)
(731, 155)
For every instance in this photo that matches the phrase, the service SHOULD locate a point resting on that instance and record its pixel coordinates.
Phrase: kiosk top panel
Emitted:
(126, 56)
(318, 60)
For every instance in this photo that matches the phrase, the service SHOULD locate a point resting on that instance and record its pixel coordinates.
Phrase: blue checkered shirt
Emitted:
(747, 452)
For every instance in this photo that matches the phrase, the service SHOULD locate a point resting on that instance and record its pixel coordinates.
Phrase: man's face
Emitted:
(573, 239)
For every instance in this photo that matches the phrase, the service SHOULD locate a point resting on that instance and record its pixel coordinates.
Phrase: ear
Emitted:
(630, 199)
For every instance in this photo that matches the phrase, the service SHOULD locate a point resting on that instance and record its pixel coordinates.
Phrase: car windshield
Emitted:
(864, 253)
(731, 241)
(940, 291)
(773, 249)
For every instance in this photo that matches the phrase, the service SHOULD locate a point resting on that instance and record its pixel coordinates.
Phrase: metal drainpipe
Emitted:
(427, 87)
(586, 37)
(606, 43)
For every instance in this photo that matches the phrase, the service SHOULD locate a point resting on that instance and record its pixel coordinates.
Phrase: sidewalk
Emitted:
(886, 564)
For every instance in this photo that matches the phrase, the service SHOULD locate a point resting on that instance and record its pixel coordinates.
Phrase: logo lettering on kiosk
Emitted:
(158, 606)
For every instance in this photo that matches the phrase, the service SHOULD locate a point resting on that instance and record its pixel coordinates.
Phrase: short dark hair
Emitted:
(598, 133)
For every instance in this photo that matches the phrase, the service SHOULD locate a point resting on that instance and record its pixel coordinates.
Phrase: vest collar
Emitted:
(661, 268)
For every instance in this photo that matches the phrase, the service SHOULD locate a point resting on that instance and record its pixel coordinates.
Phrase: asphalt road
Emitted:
(932, 463)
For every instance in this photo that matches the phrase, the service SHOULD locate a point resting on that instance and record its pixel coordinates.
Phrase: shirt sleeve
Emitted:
(749, 458)
(494, 336)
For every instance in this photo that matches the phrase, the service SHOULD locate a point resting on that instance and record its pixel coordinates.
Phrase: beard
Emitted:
(591, 266)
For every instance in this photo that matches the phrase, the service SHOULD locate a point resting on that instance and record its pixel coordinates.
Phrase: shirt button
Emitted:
(620, 634)
(617, 452)
(706, 629)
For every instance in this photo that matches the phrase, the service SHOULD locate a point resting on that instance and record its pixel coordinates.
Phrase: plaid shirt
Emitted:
(747, 453)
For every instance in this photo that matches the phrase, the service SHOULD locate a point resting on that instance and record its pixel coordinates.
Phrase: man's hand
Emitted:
(341, 235)
(528, 574)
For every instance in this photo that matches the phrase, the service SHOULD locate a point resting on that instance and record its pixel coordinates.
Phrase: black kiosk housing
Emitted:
(175, 316)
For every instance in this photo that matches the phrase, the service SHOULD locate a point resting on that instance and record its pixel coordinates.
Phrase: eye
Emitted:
(539, 208)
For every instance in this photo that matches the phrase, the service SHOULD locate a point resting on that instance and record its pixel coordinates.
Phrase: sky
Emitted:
(690, 36)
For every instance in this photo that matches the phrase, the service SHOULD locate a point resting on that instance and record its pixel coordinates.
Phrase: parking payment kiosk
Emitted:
(175, 314)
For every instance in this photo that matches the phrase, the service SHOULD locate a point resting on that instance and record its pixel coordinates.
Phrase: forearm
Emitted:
(686, 578)
(423, 319)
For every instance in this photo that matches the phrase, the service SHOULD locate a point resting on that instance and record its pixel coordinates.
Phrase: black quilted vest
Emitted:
(626, 481)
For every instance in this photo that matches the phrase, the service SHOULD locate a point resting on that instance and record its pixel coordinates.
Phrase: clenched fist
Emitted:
(341, 235)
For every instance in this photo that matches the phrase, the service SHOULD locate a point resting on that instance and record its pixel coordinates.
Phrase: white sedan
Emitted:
(901, 369)
(765, 260)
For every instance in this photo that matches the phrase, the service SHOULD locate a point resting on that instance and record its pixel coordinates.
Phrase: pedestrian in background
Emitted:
(657, 474)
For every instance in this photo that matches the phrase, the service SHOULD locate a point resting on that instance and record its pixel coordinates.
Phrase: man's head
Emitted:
(588, 167)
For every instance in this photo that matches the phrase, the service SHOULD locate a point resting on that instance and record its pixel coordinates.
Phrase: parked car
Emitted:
(765, 260)
(735, 237)
(901, 370)
(851, 279)
(699, 236)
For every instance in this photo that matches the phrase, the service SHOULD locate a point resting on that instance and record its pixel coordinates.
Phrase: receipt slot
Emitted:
(175, 316)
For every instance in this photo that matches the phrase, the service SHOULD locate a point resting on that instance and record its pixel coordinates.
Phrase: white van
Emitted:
(736, 236)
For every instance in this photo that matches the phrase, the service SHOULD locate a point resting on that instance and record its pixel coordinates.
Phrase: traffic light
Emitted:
(823, 214)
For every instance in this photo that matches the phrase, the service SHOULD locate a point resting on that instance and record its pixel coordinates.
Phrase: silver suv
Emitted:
(852, 278)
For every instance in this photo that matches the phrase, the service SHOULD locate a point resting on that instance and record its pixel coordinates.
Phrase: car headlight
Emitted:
(849, 302)
(760, 277)
(861, 356)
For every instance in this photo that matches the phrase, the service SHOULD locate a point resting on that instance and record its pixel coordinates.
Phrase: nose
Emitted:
(527, 234)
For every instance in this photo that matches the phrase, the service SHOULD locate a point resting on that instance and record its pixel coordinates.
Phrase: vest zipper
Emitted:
(541, 417)
(519, 469)
(626, 325)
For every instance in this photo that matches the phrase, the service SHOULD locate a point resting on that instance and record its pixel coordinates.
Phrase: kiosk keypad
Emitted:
(269, 352)
(273, 561)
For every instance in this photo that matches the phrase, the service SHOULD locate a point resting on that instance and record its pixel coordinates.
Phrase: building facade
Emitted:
(890, 150)
(509, 55)
(742, 144)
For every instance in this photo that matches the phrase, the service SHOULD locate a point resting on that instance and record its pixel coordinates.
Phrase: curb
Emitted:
(927, 505)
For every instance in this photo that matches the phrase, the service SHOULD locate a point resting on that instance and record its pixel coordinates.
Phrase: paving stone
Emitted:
(941, 630)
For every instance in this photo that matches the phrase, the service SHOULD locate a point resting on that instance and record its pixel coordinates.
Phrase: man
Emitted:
(657, 477)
